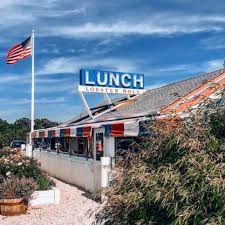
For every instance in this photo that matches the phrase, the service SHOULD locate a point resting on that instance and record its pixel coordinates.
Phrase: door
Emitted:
(99, 143)
(99, 149)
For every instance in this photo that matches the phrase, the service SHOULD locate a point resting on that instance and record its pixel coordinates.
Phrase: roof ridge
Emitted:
(204, 74)
(208, 81)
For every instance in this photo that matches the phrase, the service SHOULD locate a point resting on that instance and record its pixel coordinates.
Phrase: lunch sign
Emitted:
(111, 82)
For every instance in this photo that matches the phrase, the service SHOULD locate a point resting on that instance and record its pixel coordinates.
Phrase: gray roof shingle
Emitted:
(156, 99)
(149, 102)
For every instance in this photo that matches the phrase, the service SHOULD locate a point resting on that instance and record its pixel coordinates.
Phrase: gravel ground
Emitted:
(74, 209)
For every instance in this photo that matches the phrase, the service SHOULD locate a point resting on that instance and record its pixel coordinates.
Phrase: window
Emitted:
(73, 144)
(64, 145)
(37, 142)
(79, 145)
(125, 144)
(90, 149)
(53, 144)
(99, 145)
(42, 143)
(82, 145)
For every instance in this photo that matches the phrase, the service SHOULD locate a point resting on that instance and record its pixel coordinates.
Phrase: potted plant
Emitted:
(14, 194)
(20, 178)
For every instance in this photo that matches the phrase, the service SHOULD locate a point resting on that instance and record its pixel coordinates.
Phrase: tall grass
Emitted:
(177, 178)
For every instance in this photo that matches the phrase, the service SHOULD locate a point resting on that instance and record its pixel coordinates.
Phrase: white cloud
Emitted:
(173, 68)
(73, 64)
(41, 12)
(213, 43)
(26, 101)
(12, 15)
(58, 65)
(17, 101)
(157, 24)
(17, 18)
(48, 51)
(28, 13)
(14, 79)
(213, 65)
(13, 114)
(61, 13)
(8, 79)
(52, 89)
(154, 86)
(11, 79)
(49, 80)
(51, 100)
(188, 69)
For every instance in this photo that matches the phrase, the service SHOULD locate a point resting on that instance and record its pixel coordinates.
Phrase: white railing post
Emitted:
(105, 174)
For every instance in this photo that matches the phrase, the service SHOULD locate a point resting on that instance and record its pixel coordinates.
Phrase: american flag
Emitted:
(19, 51)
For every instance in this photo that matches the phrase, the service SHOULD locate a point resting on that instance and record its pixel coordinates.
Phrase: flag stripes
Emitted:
(19, 51)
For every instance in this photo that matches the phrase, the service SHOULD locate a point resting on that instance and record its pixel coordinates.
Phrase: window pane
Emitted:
(53, 144)
(79, 146)
(37, 142)
(90, 149)
(73, 144)
(125, 144)
(99, 145)
(44, 143)
(64, 144)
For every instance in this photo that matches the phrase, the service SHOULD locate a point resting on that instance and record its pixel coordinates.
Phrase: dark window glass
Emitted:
(90, 149)
(53, 144)
(80, 146)
(125, 144)
(45, 144)
(37, 142)
(64, 144)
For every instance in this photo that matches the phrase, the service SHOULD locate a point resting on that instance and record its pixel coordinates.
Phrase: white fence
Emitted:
(72, 169)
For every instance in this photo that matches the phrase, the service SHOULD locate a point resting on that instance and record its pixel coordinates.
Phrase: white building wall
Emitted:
(71, 169)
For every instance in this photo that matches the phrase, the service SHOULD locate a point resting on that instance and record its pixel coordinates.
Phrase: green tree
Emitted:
(20, 128)
(44, 123)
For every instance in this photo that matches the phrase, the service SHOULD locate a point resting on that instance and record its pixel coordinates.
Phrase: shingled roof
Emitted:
(155, 99)
(148, 103)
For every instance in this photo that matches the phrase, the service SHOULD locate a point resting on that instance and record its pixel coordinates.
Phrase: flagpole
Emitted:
(32, 88)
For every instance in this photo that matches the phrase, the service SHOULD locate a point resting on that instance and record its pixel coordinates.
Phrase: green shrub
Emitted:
(44, 182)
(19, 165)
(217, 123)
(14, 163)
(177, 178)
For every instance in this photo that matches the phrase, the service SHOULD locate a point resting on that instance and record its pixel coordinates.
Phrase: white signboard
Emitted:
(111, 82)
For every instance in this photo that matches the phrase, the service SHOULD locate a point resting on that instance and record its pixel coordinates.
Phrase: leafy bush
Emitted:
(177, 178)
(13, 162)
(44, 182)
(5, 152)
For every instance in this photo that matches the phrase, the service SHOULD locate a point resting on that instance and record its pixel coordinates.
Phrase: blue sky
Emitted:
(164, 39)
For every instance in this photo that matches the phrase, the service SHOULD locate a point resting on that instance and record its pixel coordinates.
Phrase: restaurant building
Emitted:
(82, 150)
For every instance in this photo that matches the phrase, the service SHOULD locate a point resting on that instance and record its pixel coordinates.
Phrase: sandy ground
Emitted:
(74, 209)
